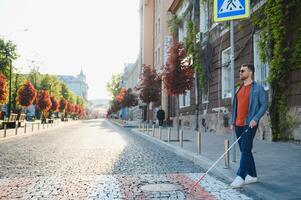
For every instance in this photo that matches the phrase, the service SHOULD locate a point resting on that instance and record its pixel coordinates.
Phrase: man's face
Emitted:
(244, 73)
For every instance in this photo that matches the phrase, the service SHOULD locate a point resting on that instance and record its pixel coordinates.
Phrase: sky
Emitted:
(65, 36)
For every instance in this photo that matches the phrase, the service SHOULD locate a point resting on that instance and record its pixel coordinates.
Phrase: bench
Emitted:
(11, 123)
(21, 120)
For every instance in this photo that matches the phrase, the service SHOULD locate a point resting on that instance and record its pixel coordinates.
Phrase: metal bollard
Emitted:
(227, 156)
(181, 137)
(47, 125)
(16, 128)
(198, 142)
(160, 133)
(32, 127)
(147, 128)
(153, 130)
(39, 126)
(143, 127)
(169, 135)
(43, 125)
(25, 127)
(5, 127)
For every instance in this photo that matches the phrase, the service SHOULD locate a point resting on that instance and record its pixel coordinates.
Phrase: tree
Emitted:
(113, 86)
(65, 91)
(43, 102)
(26, 94)
(178, 73)
(121, 97)
(35, 77)
(130, 98)
(3, 89)
(7, 55)
(52, 84)
(62, 105)
(150, 87)
(54, 104)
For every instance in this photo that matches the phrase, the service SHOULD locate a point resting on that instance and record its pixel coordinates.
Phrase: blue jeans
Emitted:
(247, 164)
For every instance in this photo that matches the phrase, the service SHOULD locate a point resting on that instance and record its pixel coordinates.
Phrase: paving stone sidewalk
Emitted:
(278, 163)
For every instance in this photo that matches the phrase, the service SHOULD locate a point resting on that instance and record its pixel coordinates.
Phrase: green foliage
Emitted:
(8, 53)
(280, 45)
(173, 24)
(35, 77)
(113, 86)
(52, 84)
(65, 93)
(193, 49)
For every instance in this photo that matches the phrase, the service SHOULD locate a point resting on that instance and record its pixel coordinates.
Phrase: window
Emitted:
(182, 31)
(205, 96)
(184, 99)
(203, 17)
(226, 73)
(261, 68)
(159, 55)
(159, 26)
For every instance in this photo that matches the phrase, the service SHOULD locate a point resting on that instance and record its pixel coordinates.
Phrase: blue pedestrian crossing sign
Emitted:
(225, 10)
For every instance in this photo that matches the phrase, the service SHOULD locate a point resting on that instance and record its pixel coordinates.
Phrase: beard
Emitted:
(242, 78)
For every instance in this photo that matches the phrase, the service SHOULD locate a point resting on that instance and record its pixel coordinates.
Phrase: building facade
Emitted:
(215, 100)
(76, 84)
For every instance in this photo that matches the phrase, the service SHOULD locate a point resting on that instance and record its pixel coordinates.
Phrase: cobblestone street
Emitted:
(96, 160)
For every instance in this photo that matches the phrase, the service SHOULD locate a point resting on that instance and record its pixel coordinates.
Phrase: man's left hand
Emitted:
(253, 124)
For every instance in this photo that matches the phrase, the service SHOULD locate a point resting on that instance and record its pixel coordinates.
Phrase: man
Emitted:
(249, 105)
(160, 116)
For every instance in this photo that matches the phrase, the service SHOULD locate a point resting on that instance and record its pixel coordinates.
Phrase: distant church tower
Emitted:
(83, 88)
(81, 76)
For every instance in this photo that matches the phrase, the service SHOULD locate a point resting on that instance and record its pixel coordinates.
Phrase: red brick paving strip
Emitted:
(197, 194)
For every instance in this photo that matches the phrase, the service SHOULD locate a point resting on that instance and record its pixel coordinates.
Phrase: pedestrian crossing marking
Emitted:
(230, 6)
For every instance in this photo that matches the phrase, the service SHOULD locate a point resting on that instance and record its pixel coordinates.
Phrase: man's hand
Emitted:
(252, 123)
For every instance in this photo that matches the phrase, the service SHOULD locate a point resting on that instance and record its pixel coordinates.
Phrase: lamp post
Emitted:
(10, 89)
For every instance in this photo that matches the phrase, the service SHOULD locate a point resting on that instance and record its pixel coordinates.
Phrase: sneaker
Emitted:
(238, 182)
(250, 179)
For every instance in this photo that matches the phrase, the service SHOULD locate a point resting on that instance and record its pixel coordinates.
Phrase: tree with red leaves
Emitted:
(26, 94)
(3, 89)
(43, 102)
(178, 73)
(121, 97)
(62, 105)
(54, 104)
(150, 87)
(130, 98)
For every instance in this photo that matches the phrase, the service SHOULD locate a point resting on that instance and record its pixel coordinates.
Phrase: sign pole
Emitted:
(233, 77)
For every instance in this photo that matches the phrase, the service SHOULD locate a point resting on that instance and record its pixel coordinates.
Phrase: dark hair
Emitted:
(249, 66)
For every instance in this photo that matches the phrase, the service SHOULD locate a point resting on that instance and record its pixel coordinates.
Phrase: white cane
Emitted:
(203, 176)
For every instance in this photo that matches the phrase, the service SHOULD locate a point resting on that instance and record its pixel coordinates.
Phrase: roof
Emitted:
(68, 78)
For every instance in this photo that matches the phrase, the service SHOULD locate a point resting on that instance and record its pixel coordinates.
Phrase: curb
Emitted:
(32, 133)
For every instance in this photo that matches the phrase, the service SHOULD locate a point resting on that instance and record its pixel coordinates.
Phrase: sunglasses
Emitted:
(242, 71)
